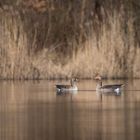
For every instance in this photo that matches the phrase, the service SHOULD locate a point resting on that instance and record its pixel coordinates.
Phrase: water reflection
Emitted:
(33, 111)
(69, 92)
(100, 93)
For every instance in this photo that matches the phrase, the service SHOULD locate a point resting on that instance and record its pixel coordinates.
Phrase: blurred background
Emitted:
(48, 39)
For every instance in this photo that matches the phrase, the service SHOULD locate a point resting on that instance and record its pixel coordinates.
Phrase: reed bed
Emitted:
(42, 50)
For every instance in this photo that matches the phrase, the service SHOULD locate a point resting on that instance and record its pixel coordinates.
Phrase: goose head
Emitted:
(99, 81)
(98, 77)
(73, 81)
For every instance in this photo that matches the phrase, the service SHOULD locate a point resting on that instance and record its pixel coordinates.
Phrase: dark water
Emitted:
(33, 111)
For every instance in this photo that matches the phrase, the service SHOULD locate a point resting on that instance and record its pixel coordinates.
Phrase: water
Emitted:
(32, 110)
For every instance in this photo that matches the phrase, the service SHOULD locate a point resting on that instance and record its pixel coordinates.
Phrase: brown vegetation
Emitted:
(57, 39)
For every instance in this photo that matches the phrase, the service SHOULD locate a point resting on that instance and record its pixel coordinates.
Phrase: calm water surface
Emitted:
(34, 111)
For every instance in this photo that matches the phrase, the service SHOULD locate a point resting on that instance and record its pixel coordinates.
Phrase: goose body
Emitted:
(107, 88)
(71, 87)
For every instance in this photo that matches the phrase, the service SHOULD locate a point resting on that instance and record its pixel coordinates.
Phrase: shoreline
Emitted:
(54, 79)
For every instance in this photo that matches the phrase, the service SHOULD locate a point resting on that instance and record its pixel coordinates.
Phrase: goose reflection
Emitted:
(70, 92)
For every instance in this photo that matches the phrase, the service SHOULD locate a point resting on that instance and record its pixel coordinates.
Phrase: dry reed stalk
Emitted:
(13, 46)
(114, 54)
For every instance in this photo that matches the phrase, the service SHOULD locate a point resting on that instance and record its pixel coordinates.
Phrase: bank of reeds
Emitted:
(46, 50)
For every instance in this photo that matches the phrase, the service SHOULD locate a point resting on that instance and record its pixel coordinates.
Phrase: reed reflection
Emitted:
(35, 111)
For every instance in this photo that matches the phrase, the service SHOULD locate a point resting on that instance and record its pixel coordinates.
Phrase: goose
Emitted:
(71, 87)
(107, 88)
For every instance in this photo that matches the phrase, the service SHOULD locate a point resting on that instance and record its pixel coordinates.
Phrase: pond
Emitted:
(32, 110)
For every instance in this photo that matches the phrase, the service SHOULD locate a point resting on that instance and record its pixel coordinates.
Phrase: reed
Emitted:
(61, 45)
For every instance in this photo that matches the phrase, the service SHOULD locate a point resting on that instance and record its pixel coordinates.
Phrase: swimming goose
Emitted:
(71, 87)
(107, 88)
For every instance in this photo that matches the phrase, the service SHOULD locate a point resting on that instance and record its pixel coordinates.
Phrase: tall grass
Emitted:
(59, 46)
(14, 62)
